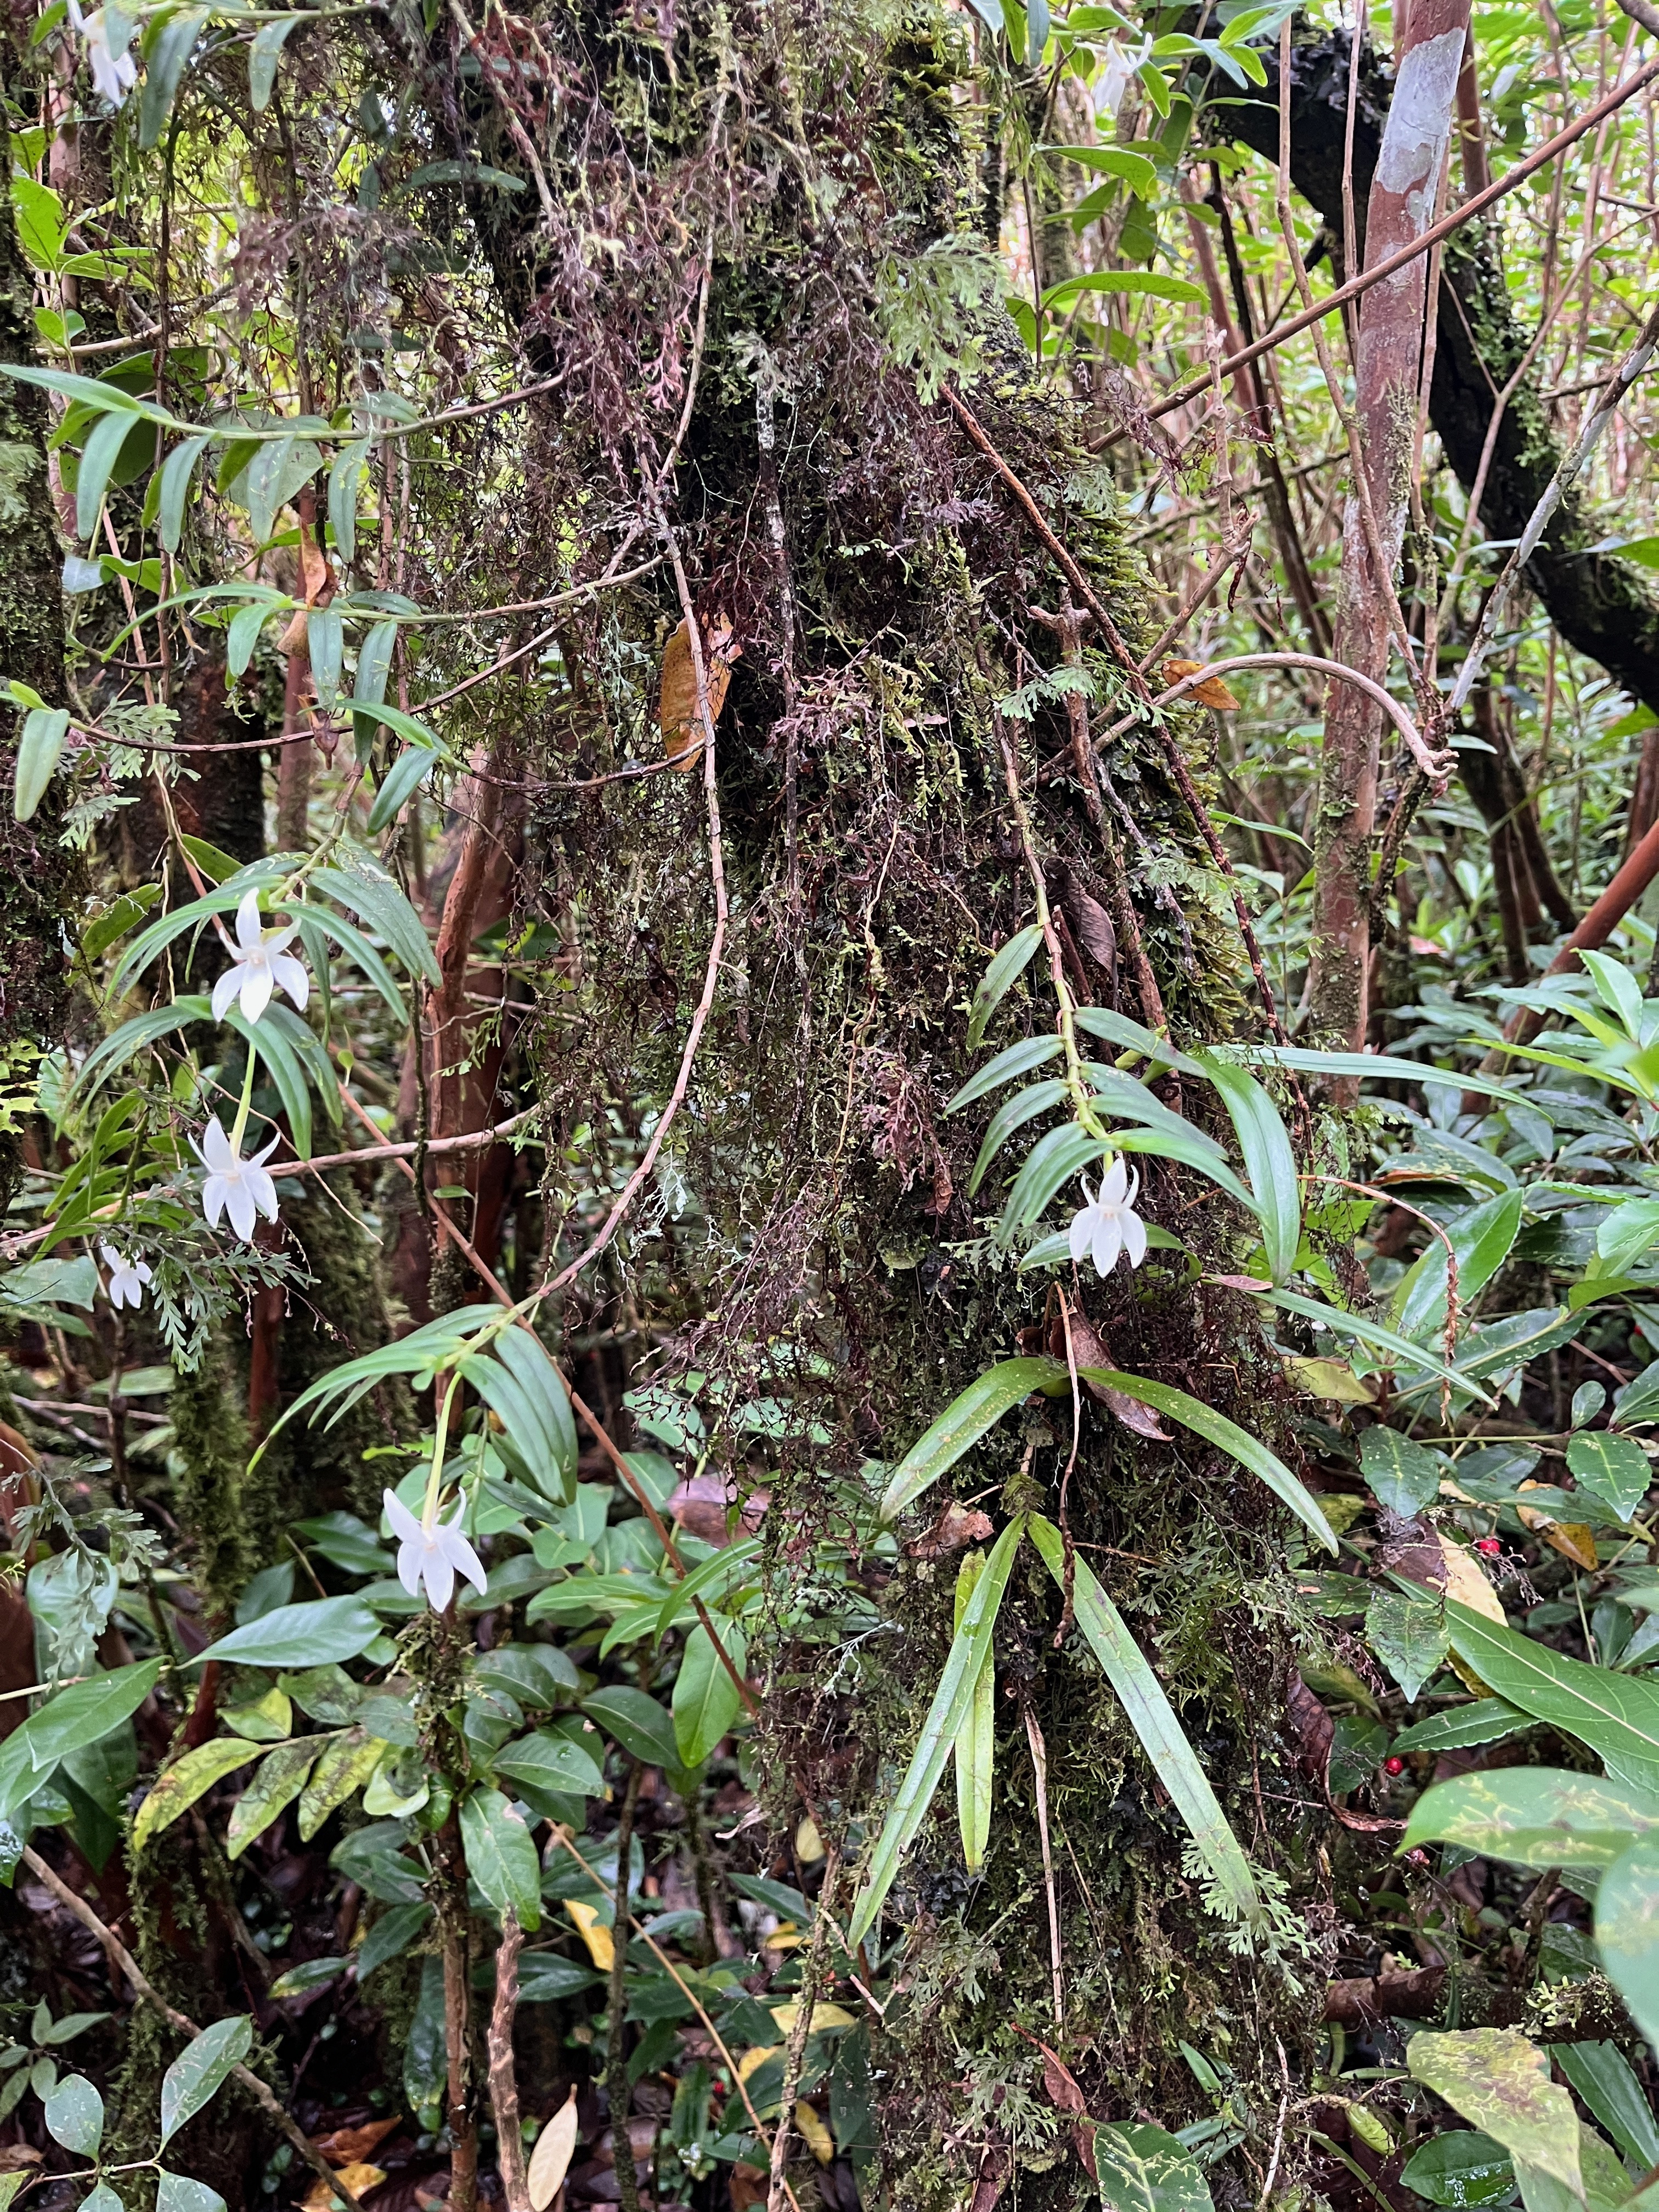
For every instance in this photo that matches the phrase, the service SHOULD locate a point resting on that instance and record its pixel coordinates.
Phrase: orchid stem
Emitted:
(240, 1126)
(434, 1480)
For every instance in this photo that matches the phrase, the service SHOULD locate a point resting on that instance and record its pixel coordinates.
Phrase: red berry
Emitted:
(1393, 1766)
(1489, 1545)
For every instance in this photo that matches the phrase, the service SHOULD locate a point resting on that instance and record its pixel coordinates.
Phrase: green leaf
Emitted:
(1143, 2169)
(1461, 2168)
(1000, 978)
(1132, 169)
(1228, 1436)
(176, 473)
(1498, 2081)
(167, 47)
(82, 1715)
(1013, 1113)
(1194, 1149)
(342, 480)
(1269, 1161)
(403, 780)
(501, 1857)
(1627, 1232)
(970, 1649)
(98, 457)
(75, 2116)
(1118, 1029)
(638, 1723)
(974, 1747)
(390, 1937)
(40, 748)
(1051, 1162)
(366, 890)
(102, 2199)
(201, 2068)
(550, 1760)
(1400, 1474)
(177, 1788)
(1408, 1635)
(348, 1762)
(1613, 1468)
(522, 1384)
(71, 2025)
(374, 661)
(310, 1974)
(1482, 1242)
(310, 1635)
(1628, 1930)
(175, 2193)
(1378, 1338)
(325, 650)
(281, 1777)
(1144, 282)
(962, 1425)
(1488, 1720)
(1614, 1714)
(243, 635)
(1604, 2078)
(1014, 1060)
(707, 1701)
(1151, 1716)
(1533, 1815)
(263, 56)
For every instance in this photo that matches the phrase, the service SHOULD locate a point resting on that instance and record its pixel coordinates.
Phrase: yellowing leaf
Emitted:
(1211, 692)
(1570, 1538)
(785, 1936)
(359, 2177)
(809, 1845)
(550, 2160)
(823, 2016)
(1465, 1581)
(185, 1780)
(343, 1768)
(677, 705)
(814, 2134)
(1331, 1378)
(601, 1944)
(753, 2061)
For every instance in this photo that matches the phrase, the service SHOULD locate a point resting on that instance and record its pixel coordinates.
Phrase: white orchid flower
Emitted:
(127, 1278)
(262, 965)
(433, 1554)
(1108, 1224)
(235, 1186)
(114, 75)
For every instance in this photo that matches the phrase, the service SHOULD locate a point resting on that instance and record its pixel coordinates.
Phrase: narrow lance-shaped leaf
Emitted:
(262, 59)
(1154, 1720)
(1000, 978)
(975, 1748)
(1268, 1160)
(962, 1425)
(40, 748)
(968, 1650)
(177, 471)
(343, 479)
(98, 456)
(1616, 1714)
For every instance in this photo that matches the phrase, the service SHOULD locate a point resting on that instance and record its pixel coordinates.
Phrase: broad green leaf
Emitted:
(975, 1748)
(72, 1719)
(310, 1635)
(310, 1974)
(1132, 169)
(638, 1723)
(1014, 1060)
(98, 457)
(1143, 2169)
(1613, 1468)
(1408, 1635)
(970, 1649)
(1144, 282)
(1604, 2078)
(390, 1937)
(167, 48)
(549, 1761)
(177, 1788)
(1482, 1242)
(1000, 978)
(963, 1423)
(197, 2074)
(1627, 1232)
(40, 748)
(1617, 989)
(347, 1763)
(707, 1701)
(1488, 1720)
(281, 1777)
(175, 2192)
(176, 473)
(1269, 1161)
(1399, 1472)
(403, 780)
(1460, 2169)
(75, 2116)
(1627, 1931)
(1535, 1816)
(342, 482)
(263, 56)
(500, 1855)
(1500, 2083)
(102, 2199)
(1154, 1720)
(1616, 1714)
(267, 1719)
(1216, 1428)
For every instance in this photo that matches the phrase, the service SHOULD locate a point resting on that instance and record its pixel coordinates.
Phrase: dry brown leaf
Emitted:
(1211, 692)
(956, 1526)
(346, 2145)
(676, 701)
(550, 2161)
(359, 2177)
(749, 2186)
(814, 2134)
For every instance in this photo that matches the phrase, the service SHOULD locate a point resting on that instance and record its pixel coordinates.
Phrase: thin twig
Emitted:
(795, 2049)
(503, 2076)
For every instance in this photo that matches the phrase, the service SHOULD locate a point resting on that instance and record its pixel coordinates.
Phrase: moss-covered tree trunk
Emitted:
(770, 214)
(34, 868)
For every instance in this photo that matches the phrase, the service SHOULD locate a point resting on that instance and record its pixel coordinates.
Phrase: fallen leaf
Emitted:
(956, 1526)
(1132, 1414)
(550, 2158)
(809, 1845)
(1331, 1378)
(814, 2134)
(823, 2016)
(677, 703)
(601, 1946)
(748, 2186)
(359, 2177)
(1256, 1284)
(346, 2145)
(1211, 692)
